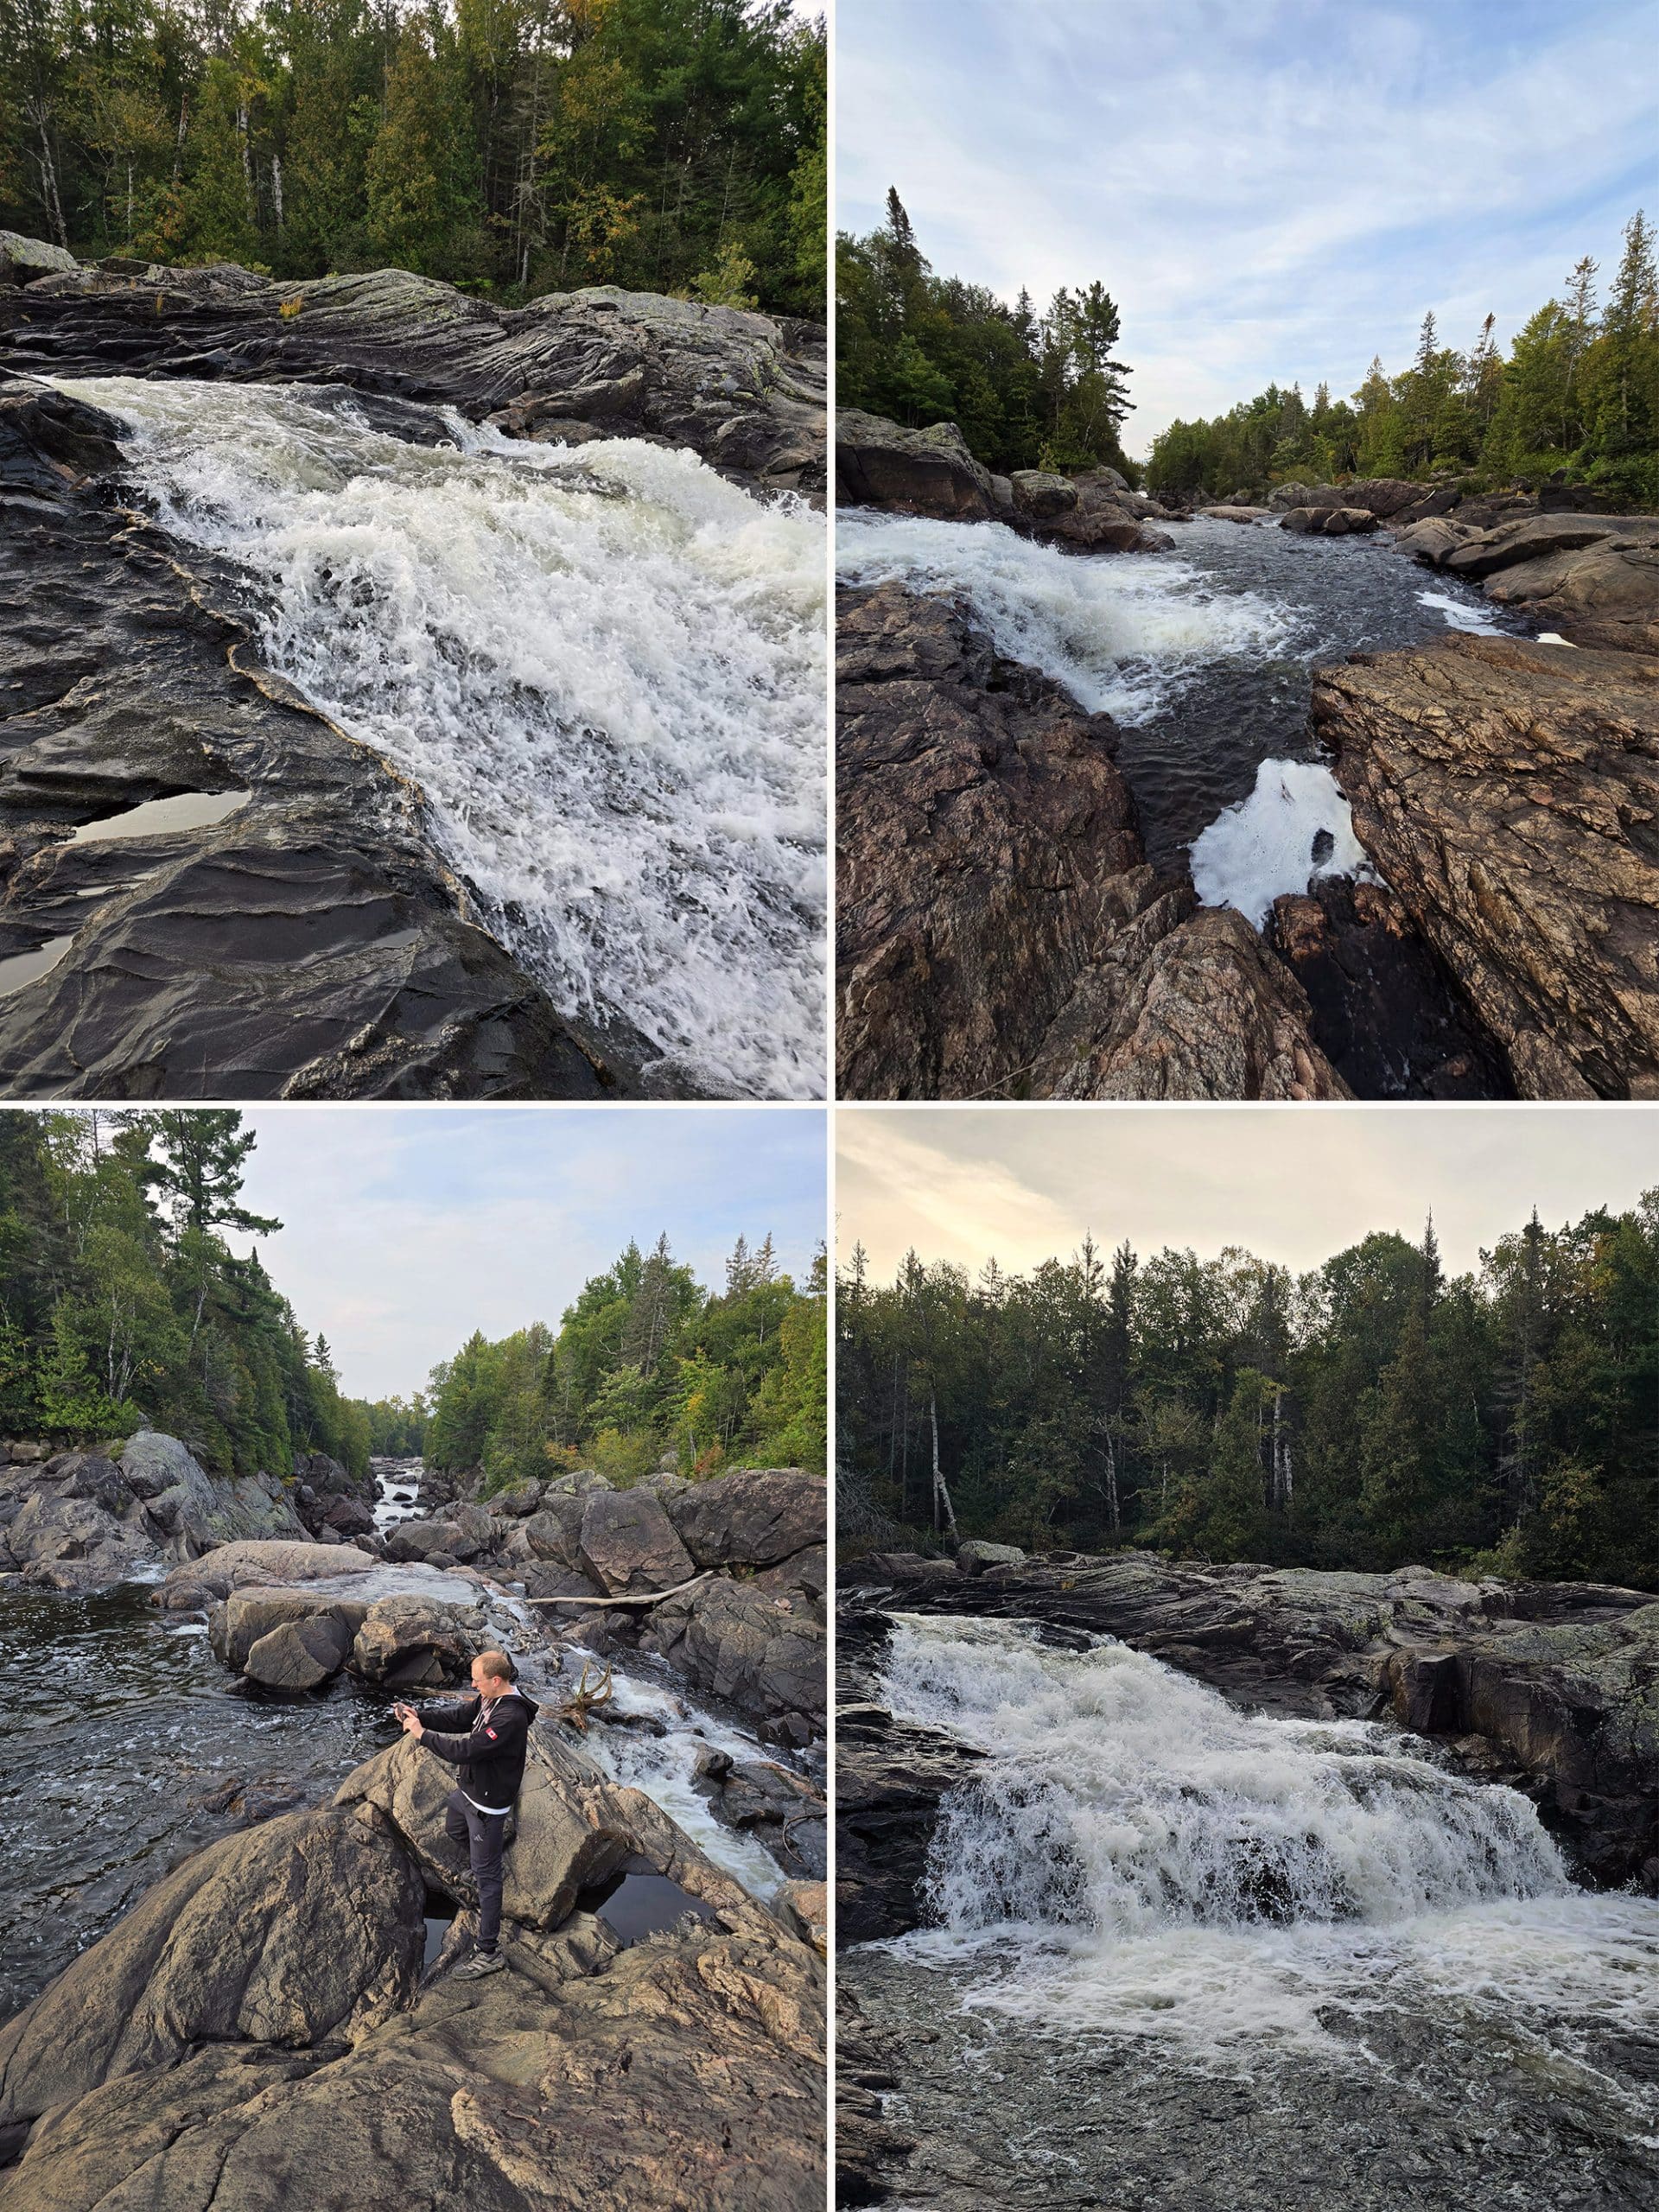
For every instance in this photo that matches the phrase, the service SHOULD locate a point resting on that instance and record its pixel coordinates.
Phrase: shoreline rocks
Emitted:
(745, 390)
(262, 2023)
(1507, 791)
(998, 928)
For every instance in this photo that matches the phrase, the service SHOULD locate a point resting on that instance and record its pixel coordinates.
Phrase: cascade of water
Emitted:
(604, 668)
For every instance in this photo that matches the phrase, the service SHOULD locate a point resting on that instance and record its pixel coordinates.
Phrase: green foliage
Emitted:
(121, 1306)
(546, 143)
(1025, 392)
(646, 1364)
(1370, 1414)
(1578, 394)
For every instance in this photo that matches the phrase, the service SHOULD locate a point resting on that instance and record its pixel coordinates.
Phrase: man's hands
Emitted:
(411, 1720)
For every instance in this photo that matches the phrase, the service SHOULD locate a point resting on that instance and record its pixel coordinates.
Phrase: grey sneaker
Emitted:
(479, 1965)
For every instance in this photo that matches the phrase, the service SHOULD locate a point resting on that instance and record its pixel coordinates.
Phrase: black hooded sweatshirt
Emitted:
(491, 1752)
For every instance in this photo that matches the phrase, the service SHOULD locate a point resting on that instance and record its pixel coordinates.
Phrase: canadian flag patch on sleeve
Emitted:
(490, 1732)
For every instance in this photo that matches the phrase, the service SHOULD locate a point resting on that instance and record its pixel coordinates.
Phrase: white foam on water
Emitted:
(1253, 852)
(1137, 1857)
(606, 670)
(664, 1767)
(1121, 631)
(1458, 616)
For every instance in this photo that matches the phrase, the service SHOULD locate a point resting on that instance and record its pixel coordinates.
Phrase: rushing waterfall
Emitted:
(1138, 1856)
(605, 668)
(1204, 656)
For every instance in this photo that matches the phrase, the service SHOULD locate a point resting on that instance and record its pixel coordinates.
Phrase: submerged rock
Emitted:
(1506, 791)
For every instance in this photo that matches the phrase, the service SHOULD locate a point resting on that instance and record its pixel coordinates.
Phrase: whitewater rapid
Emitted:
(605, 668)
(1139, 1858)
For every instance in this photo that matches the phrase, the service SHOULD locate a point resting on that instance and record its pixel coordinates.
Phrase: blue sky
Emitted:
(1266, 188)
(407, 1227)
(1292, 1187)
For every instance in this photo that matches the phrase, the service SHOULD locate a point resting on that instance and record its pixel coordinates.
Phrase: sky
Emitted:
(405, 1228)
(962, 1184)
(1269, 189)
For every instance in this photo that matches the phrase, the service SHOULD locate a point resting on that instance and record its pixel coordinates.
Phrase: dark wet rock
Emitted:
(309, 944)
(999, 928)
(1506, 792)
(890, 1777)
(781, 1809)
(1547, 1685)
(762, 1654)
(627, 1544)
(930, 472)
(757, 1517)
(745, 390)
(1386, 1011)
(870, 2151)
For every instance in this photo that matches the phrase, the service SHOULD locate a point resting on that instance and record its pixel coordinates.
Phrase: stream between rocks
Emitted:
(1182, 1956)
(1204, 658)
(125, 1745)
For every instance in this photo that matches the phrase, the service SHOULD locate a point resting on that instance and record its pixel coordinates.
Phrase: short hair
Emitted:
(498, 1664)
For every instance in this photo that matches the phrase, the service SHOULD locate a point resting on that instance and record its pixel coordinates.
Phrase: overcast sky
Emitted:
(1276, 189)
(407, 1227)
(962, 1184)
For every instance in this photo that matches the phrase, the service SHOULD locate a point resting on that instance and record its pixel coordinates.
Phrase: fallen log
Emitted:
(644, 1597)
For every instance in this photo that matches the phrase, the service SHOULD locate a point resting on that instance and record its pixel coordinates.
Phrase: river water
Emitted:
(605, 668)
(1184, 1955)
(1204, 657)
(125, 1745)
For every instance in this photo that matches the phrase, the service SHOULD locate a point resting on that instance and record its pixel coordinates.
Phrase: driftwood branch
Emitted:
(576, 1712)
(644, 1598)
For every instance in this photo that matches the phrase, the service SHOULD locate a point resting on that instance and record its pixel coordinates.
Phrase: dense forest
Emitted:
(1027, 391)
(1577, 393)
(1371, 1414)
(645, 1364)
(516, 146)
(122, 1306)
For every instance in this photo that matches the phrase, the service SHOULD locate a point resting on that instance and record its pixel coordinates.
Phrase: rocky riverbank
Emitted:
(1000, 932)
(208, 889)
(264, 2026)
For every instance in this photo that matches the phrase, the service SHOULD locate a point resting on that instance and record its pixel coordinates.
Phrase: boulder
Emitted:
(234, 1567)
(1604, 595)
(1535, 538)
(1433, 539)
(554, 1530)
(196, 1511)
(300, 1655)
(1233, 513)
(627, 1544)
(249, 1615)
(755, 1517)
(761, 1653)
(1502, 789)
(1329, 521)
(973, 1558)
(22, 260)
(414, 1643)
(1042, 493)
(296, 1931)
(520, 1500)
(927, 472)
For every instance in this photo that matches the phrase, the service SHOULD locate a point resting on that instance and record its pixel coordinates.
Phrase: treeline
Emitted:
(1577, 393)
(1027, 391)
(514, 145)
(1371, 1414)
(122, 1306)
(397, 1426)
(645, 1364)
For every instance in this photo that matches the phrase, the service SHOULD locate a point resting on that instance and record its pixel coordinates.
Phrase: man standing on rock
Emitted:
(490, 1755)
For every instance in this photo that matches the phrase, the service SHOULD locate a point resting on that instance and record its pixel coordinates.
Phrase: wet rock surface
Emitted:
(999, 928)
(306, 943)
(744, 391)
(1507, 792)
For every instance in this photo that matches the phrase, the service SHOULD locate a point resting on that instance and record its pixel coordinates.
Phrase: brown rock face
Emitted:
(999, 925)
(1508, 793)
(880, 464)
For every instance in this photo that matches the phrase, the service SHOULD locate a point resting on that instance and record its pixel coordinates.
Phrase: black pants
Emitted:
(483, 1834)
